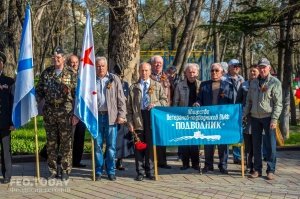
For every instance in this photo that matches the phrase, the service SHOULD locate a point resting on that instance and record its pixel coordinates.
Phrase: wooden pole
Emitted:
(93, 160)
(37, 151)
(155, 163)
(242, 160)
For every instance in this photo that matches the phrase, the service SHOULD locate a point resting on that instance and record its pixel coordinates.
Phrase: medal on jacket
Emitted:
(263, 88)
(4, 86)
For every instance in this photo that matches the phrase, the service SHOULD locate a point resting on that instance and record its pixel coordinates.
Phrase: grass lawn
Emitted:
(23, 139)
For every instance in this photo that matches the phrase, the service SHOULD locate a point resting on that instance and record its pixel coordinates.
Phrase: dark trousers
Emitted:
(190, 152)
(209, 151)
(259, 125)
(78, 142)
(161, 155)
(144, 159)
(249, 150)
(5, 142)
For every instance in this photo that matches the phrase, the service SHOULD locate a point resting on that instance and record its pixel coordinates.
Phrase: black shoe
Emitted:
(196, 167)
(224, 171)
(150, 177)
(165, 166)
(58, 172)
(98, 177)
(79, 165)
(184, 167)
(139, 177)
(207, 170)
(52, 176)
(112, 177)
(64, 176)
(6, 180)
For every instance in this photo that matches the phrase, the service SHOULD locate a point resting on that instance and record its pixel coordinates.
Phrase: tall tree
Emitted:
(123, 44)
(188, 34)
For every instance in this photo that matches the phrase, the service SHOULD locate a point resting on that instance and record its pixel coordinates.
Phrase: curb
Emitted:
(86, 156)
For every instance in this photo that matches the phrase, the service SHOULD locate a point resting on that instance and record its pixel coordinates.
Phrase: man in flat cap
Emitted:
(264, 103)
(6, 125)
(57, 87)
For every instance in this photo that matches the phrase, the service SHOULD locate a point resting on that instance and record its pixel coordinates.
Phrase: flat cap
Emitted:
(264, 62)
(59, 50)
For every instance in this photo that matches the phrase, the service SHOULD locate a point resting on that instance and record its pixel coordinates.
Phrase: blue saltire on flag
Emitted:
(25, 106)
(86, 108)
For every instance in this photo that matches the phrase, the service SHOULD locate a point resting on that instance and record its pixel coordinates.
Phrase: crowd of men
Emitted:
(128, 108)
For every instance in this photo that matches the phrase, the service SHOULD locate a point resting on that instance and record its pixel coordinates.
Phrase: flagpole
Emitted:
(93, 160)
(37, 151)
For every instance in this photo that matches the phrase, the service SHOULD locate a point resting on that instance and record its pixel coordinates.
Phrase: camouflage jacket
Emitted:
(58, 91)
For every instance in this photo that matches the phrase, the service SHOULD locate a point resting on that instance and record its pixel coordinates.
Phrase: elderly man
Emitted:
(186, 95)
(57, 87)
(233, 77)
(6, 125)
(157, 63)
(143, 96)
(79, 131)
(215, 92)
(111, 112)
(264, 103)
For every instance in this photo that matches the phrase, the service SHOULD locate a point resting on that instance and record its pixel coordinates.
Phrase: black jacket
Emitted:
(6, 102)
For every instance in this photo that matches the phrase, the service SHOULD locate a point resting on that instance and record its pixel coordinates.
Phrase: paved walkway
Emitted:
(173, 183)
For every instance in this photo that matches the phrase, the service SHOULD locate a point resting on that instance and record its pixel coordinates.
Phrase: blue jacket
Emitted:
(226, 93)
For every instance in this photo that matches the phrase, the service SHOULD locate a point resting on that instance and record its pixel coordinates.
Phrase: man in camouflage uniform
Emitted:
(57, 87)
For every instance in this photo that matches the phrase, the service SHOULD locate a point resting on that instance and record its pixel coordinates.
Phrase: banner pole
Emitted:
(155, 162)
(242, 160)
(37, 151)
(93, 160)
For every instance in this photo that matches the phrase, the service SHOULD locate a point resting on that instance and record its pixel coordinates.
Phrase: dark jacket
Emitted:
(6, 102)
(225, 96)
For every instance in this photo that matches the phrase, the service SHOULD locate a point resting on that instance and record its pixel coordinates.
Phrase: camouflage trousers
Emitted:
(58, 127)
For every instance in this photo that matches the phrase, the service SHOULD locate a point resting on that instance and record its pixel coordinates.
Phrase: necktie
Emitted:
(146, 98)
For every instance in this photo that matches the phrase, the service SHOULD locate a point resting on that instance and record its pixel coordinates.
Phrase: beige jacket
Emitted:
(115, 99)
(182, 93)
(157, 97)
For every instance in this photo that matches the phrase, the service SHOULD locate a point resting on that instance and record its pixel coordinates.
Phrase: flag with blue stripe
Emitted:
(25, 106)
(86, 108)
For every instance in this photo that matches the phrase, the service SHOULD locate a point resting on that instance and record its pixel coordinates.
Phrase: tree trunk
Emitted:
(124, 43)
(75, 48)
(10, 35)
(281, 50)
(286, 83)
(187, 35)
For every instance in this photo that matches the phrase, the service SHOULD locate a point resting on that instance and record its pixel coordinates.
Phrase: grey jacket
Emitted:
(157, 97)
(264, 101)
(115, 99)
(182, 93)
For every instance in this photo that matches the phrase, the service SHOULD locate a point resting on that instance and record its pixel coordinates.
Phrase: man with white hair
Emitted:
(185, 94)
(264, 103)
(160, 76)
(215, 92)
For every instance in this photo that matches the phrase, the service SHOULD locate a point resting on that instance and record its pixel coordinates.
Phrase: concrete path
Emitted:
(173, 183)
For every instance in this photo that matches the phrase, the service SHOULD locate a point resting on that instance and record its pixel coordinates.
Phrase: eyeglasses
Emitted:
(214, 70)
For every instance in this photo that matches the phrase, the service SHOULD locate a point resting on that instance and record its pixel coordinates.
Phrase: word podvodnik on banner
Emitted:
(175, 126)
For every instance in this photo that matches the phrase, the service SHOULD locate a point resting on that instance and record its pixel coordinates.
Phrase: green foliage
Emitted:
(23, 139)
(294, 136)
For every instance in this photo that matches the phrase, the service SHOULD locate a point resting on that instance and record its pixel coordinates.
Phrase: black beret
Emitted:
(59, 50)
